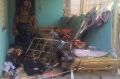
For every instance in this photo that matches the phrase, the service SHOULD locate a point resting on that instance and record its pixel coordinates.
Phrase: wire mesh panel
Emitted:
(40, 49)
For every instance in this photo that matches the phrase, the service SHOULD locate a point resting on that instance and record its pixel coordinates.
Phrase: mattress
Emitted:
(89, 53)
(94, 60)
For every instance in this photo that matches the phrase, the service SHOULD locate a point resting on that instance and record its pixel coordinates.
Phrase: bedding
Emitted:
(88, 53)
(94, 60)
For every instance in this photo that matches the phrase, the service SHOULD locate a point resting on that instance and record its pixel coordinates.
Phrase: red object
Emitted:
(79, 43)
(67, 30)
(67, 33)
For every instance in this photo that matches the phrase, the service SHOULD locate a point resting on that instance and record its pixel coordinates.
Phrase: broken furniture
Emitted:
(40, 49)
(89, 63)
(39, 53)
(99, 64)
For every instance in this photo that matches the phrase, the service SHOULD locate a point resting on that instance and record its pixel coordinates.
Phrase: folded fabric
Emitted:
(88, 53)
(8, 65)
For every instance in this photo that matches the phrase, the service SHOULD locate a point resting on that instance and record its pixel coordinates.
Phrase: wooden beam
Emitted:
(81, 6)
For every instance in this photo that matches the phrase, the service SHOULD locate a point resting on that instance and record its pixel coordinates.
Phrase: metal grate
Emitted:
(40, 49)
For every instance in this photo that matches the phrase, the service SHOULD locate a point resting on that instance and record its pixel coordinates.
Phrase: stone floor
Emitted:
(92, 75)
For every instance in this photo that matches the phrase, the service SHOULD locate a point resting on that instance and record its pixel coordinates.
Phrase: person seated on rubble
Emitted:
(24, 26)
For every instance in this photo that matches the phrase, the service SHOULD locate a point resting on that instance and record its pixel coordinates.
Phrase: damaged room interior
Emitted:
(59, 39)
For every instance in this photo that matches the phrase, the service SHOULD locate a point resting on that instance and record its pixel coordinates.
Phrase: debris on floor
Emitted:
(54, 52)
(52, 57)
